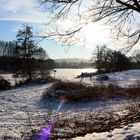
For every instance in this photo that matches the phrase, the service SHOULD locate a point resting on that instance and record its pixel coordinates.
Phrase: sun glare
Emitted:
(96, 34)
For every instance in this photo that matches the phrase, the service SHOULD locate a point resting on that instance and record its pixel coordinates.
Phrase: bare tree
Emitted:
(136, 58)
(105, 59)
(122, 14)
(97, 58)
(27, 50)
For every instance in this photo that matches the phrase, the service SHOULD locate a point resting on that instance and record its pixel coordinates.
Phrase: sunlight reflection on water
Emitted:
(67, 74)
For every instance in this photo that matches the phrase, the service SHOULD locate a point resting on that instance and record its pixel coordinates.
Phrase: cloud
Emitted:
(13, 6)
(27, 11)
(21, 10)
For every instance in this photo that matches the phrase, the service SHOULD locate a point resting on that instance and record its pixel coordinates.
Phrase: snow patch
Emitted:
(132, 133)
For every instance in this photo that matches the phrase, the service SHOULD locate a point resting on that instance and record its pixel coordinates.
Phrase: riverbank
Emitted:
(123, 79)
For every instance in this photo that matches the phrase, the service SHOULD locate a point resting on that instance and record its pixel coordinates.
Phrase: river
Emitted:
(67, 74)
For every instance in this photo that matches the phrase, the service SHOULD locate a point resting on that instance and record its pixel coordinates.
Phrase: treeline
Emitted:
(7, 48)
(105, 59)
(7, 55)
(65, 64)
(24, 57)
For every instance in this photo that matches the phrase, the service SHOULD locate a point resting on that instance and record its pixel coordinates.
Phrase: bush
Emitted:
(76, 92)
(16, 75)
(34, 81)
(67, 86)
(133, 92)
(102, 78)
(4, 84)
(133, 107)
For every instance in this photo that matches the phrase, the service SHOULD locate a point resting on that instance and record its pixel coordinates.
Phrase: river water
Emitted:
(67, 74)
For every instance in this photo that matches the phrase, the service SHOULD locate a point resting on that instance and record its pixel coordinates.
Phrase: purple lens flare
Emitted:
(46, 132)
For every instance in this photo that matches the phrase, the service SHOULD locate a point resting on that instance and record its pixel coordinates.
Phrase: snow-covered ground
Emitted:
(123, 79)
(129, 132)
(11, 79)
(22, 107)
(17, 106)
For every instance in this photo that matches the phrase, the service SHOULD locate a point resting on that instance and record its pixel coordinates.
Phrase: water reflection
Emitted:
(67, 74)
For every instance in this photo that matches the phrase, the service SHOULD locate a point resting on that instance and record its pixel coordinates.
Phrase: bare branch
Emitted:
(122, 14)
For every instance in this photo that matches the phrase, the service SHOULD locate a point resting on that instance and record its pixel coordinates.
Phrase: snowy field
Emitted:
(22, 109)
(123, 79)
(10, 78)
(16, 106)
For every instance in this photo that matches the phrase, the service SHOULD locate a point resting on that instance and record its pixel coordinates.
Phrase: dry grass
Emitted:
(78, 92)
(68, 125)
(134, 107)
(79, 126)
(133, 92)
(4, 84)
(34, 81)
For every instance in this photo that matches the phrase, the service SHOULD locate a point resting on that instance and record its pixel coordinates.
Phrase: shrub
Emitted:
(76, 92)
(133, 107)
(16, 75)
(102, 77)
(4, 84)
(133, 92)
(67, 85)
(34, 81)
(115, 89)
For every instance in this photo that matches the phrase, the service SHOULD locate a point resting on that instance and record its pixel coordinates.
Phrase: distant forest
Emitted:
(102, 59)
(105, 59)
(65, 64)
(11, 63)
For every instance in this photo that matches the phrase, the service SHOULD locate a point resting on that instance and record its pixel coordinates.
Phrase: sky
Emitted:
(15, 13)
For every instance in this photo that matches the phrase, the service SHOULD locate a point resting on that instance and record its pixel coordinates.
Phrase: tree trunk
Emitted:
(29, 70)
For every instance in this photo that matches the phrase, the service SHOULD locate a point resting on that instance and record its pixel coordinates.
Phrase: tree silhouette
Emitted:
(123, 14)
(26, 49)
(105, 59)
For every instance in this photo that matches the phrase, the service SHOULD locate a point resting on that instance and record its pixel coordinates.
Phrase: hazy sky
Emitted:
(15, 13)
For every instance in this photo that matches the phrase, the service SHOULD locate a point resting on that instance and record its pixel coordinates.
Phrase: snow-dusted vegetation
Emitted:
(39, 100)
(123, 79)
(129, 132)
(25, 113)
